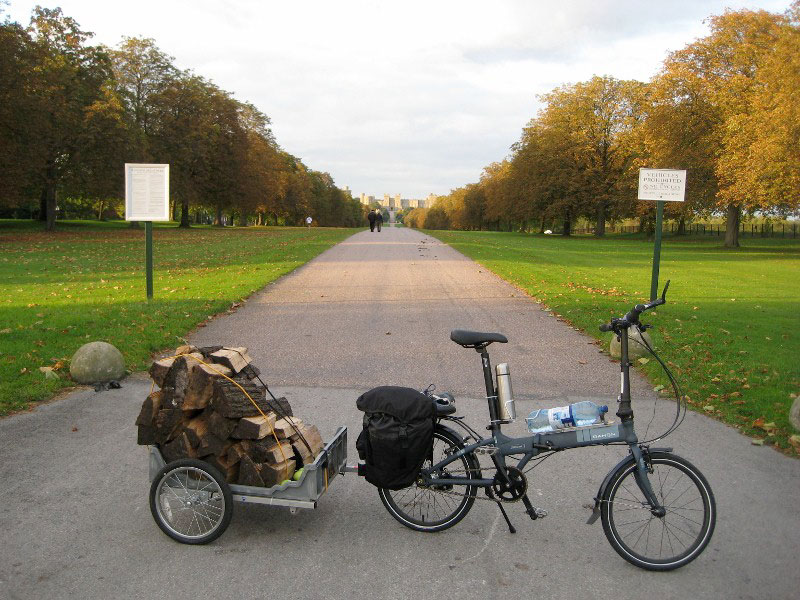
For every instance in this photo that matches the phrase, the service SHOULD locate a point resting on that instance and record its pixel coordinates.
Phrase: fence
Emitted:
(783, 230)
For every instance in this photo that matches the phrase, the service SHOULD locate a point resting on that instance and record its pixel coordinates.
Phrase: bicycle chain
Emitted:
(487, 498)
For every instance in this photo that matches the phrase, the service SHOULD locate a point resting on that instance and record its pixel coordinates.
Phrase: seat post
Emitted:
(491, 393)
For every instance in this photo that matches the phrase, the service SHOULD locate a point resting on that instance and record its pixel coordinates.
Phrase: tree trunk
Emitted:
(218, 218)
(567, 225)
(50, 206)
(185, 222)
(243, 219)
(600, 227)
(681, 226)
(734, 217)
(43, 205)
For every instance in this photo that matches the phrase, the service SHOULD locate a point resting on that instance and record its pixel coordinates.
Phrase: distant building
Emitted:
(397, 202)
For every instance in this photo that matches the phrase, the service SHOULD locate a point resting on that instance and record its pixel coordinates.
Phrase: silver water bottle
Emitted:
(506, 411)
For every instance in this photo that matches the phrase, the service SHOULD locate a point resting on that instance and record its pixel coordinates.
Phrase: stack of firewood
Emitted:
(201, 411)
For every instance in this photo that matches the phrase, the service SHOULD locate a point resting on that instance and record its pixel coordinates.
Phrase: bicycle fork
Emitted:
(641, 460)
(643, 481)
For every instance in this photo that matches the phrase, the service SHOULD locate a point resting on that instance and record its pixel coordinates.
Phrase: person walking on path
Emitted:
(371, 216)
(379, 219)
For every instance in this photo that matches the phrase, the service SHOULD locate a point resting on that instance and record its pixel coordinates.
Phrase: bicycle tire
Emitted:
(191, 501)
(659, 543)
(428, 509)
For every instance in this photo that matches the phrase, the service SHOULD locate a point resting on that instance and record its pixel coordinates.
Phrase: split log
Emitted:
(200, 387)
(219, 425)
(211, 444)
(280, 406)
(146, 435)
(250, 472)
(254, 428)
(302, 455)
(159, 369)
(235, 359)
(196, 430)
(186, 349)
(286, 428)
(307, 446)
(250, 372)
(267, 450)
(150, 408)
(236, 452)
(207, 351)
(229, 400)
(177, 379)
(178, 448)
(167, 423)
(229, 470)
(273, 474)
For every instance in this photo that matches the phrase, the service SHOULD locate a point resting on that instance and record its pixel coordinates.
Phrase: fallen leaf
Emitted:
(757, 442)
(74, 429)
(795, 441)
(708, 408)
(644, 361)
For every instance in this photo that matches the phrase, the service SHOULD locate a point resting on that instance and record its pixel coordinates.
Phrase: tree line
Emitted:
(725, 108)
(72, 113)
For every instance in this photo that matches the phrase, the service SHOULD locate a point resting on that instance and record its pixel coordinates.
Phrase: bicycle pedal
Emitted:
(536, 513)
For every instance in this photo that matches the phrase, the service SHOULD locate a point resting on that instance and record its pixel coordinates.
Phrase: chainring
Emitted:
(510, 492)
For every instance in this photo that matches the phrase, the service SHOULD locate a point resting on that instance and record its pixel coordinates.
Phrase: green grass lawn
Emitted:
(730, 329)
(86, 282)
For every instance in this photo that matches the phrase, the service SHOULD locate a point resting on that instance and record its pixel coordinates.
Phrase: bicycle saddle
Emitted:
(475, 339)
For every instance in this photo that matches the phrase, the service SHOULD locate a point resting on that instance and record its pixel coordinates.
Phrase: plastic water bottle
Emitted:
(579, 414)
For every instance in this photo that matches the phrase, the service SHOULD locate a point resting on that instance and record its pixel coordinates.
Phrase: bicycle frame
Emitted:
(531, 446)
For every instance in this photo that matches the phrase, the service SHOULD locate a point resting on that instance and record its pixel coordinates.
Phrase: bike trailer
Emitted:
(195, 489)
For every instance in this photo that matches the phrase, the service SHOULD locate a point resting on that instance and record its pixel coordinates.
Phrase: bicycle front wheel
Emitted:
(434, 508)
(652, 542)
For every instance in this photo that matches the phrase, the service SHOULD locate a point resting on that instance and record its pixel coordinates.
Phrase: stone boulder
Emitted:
(636, 348)
(794, 414)
(97, 362)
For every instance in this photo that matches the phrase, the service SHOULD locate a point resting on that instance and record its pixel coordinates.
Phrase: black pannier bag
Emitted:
(397, 435)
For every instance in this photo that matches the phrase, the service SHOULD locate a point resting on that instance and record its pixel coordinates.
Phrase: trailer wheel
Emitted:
(191, 502)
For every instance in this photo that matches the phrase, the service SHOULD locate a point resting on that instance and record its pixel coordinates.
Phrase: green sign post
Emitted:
(147, 199)
(148, 256)
(661, 185)
(657, 250)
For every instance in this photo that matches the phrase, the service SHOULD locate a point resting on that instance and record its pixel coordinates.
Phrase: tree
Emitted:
(141, 73)
(712, 86)
(597, 118)
(760, 168)
(67, 85)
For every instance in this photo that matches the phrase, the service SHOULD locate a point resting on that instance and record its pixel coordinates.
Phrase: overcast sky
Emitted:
(401, 97)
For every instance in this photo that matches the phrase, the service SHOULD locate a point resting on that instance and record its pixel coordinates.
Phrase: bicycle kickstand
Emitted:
(505, 516)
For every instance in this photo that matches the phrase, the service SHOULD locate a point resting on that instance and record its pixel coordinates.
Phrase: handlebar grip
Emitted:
(606, 327)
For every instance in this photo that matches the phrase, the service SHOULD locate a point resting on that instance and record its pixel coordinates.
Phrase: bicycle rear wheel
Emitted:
(437, 507)
(659, 543)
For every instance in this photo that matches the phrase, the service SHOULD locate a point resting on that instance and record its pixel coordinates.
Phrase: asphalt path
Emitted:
(377, 309)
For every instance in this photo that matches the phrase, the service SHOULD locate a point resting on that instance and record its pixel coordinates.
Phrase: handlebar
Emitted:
(632, 317)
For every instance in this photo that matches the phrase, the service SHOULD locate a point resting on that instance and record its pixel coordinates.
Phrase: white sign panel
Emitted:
(662, 184)
(146, 192)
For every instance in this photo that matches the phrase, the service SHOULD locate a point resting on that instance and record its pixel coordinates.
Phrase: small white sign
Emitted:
(146, 192)
(662, 184)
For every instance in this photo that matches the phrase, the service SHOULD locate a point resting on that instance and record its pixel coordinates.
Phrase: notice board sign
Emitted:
(662, 184)
(146, 192)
